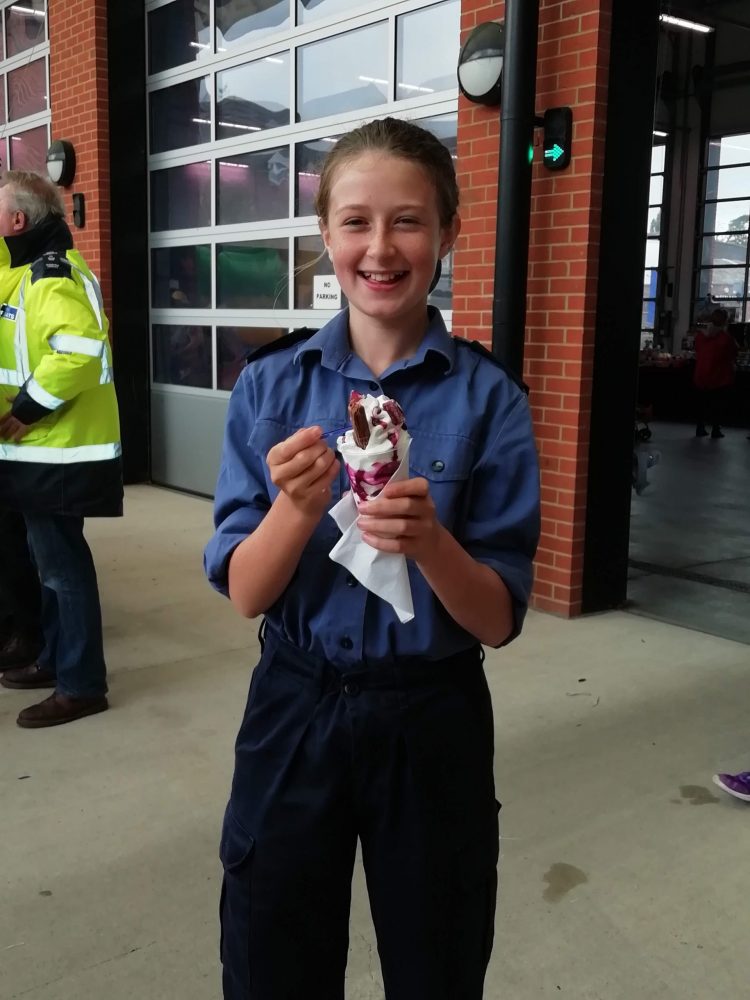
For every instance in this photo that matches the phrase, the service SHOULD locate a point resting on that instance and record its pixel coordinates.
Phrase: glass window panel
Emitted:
(654, 222)
(444, 128)
(28, 150)
(181, 197)
(732, 182)
(425, 69)
(182, 355)
(243, 23)
(726, 216)
(25, 26)
(722, 282)
(730, 249)
(233, 344)
(442, 294)
(729, 149)
(650, 283)
(27, 90)
(253, 187)
(2, 99)
(656, 190)
(309, 158)
(314, 10)
(658, 154)
(344, 73)
(181, 277)
(178, 33)
(652, 253)
(253, 275)
(309, 256)
(648, 315)
(253, 97)
(181, 115)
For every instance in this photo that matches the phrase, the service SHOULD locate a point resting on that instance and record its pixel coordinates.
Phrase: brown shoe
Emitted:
(18, 651)
(25, 678)
(59, 709)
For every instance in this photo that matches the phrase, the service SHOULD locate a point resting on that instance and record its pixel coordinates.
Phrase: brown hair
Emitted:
(719, 317)
(395, 138)
(34, 195)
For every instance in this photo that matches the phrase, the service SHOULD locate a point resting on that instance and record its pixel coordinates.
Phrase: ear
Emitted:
(450, 234)
(325, 233)
(19, 222)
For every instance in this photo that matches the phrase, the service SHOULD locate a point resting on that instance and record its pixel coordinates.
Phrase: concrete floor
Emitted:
(690, 528)
(624, 877)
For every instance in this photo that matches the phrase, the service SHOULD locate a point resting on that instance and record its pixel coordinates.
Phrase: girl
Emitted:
(357, 726)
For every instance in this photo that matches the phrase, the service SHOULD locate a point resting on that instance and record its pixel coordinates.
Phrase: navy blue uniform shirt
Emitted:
(471, 439)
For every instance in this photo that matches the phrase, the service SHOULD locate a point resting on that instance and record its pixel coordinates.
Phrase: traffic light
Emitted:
(558, 134)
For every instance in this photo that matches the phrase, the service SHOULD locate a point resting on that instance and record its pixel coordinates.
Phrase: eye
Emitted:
(407, 220)
(353, 223)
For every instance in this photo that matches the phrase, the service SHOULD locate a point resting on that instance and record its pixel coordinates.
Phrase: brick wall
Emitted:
(80, 114)
(572, 69)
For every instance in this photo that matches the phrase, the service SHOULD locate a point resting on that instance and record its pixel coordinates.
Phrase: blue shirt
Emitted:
(471, 439)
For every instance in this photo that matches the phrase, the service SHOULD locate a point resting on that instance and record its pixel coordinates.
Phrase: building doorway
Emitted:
(689, 557)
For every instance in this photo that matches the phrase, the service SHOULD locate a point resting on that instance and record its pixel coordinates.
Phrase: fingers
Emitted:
(302, 439)
(418, 487)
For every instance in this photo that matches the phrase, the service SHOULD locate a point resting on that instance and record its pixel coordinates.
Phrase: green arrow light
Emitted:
(554, 154)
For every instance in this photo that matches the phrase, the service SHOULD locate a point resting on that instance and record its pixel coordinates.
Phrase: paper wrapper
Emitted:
(384, 574)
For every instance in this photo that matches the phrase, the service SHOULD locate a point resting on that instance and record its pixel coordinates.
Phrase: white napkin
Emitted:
(383, 573)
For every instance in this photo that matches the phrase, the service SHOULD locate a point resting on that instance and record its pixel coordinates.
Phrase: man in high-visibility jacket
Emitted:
(59, 439)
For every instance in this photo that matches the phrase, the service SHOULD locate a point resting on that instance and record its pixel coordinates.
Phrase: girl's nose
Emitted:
(381, 244)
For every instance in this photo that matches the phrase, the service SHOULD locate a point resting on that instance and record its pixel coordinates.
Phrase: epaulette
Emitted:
(51, 265)
(481, 350)
(288, 340)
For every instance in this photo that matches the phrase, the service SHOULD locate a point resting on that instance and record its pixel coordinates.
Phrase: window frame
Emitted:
(423, 106)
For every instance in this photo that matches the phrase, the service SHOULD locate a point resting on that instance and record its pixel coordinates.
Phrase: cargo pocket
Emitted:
(473, 918)
(236, 855)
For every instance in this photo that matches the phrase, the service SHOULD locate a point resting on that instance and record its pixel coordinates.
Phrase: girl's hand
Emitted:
(402, 519)
(303, 467)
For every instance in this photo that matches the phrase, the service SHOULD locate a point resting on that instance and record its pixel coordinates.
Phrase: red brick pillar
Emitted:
(80, 113)
(572, 69)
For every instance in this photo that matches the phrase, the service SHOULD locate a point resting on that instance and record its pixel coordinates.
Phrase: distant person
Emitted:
(715, 355)
(59, 439)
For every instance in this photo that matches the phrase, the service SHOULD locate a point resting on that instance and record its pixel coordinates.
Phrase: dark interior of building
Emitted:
(689, 543)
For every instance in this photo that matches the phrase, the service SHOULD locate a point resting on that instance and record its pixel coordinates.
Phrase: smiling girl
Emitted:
(358, 727)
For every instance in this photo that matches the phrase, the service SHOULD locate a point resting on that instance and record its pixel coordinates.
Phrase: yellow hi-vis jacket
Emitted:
(56, 366)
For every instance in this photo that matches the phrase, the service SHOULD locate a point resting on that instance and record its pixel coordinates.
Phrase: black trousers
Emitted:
(712, 405)
(399, 757)
(20, 589)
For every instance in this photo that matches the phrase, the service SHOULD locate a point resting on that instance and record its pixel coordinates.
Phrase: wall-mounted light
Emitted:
(61, 162)
(681, 22)
(480, 64)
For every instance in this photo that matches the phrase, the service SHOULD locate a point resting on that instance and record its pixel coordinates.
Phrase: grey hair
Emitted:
(34, 195)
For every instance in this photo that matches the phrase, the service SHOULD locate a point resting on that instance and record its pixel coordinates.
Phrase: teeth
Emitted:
(382, 277)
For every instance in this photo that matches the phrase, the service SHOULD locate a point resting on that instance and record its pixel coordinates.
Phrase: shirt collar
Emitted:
(332, 343)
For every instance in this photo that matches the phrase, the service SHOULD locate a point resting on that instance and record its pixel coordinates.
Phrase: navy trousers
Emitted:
(71, 612)
(399, 757)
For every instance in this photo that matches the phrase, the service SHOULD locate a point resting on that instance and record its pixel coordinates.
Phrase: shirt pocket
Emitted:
(446, 461)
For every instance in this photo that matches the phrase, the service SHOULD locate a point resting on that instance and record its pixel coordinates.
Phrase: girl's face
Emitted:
(384, 236)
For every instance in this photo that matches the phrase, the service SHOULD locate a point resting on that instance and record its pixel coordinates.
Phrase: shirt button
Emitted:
(351, 582)
(437, 465)
(346, 642)
(374, 387)
(351, 688)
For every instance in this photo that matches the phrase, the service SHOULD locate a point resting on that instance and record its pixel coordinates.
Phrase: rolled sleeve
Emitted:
(502, 528)
(241, 500)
